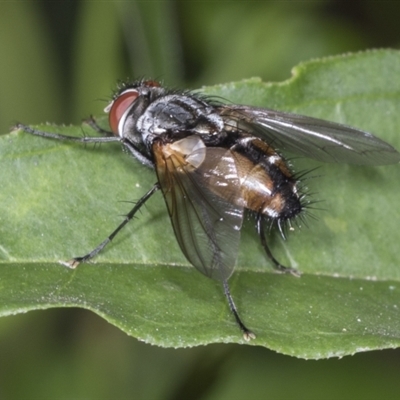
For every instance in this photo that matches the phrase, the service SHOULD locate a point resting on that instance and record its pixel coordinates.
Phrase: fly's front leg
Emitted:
(58, 136)
(104, 139)
(95, 126)
(77, 260)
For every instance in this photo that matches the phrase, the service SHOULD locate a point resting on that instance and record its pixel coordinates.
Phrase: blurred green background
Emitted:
(59, 63)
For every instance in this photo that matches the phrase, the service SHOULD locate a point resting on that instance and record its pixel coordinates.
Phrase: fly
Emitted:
(215, 161)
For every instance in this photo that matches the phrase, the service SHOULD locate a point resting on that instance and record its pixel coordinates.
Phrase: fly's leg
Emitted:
(276, 264)
(104, 139)
(247, 333)
(95, 126)
(77, 260)
(57, 136)
(107, 138)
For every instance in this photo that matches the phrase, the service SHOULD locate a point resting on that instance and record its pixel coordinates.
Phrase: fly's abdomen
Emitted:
(267, 184)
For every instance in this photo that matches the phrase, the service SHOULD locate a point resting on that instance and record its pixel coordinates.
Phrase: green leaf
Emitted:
(61, 199)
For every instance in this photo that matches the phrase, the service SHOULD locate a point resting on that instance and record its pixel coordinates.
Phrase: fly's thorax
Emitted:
(267, 184)
(144, 112)
(177, 116)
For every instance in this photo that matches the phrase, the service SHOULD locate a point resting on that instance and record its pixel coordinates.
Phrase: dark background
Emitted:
(58, 62)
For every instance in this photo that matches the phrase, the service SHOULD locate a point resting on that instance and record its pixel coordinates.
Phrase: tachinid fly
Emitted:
(214, 161)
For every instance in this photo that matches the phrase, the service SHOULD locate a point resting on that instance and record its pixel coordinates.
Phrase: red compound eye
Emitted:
(151, 83)
(119, 106)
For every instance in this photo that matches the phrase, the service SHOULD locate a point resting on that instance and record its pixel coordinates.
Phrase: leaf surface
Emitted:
(61, 199)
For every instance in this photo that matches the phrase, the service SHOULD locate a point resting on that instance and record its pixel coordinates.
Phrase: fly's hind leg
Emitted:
(73, 263)
(276, 264)
(247, 333)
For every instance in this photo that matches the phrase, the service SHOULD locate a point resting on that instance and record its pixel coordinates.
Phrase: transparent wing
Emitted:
(204, 206)
(315, 138)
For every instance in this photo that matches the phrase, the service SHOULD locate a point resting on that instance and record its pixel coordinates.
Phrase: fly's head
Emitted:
(129, 103)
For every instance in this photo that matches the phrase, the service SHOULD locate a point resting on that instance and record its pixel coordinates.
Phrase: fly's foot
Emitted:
(73, 263)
